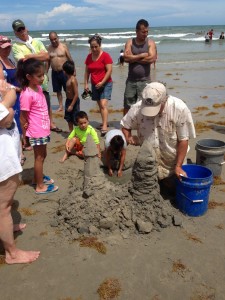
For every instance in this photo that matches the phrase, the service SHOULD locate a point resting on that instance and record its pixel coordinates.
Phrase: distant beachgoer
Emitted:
(99, 67)
(115, 151)
(121, 58)
(58, 53)
(222, 36)
(9, 177)
(26, 47)
(139, 52)
(211, 33)
(166, 122)
(78, 137)
(207, 39)
(72, 105)
(35, 119)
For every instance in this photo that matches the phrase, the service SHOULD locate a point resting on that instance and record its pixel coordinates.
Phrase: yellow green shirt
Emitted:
(19, 51)
(83, 134)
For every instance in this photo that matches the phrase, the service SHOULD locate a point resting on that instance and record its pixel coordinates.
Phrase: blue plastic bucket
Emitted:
(192, 192)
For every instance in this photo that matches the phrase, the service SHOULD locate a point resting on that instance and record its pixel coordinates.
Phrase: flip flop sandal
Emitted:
(103, 132)
(50, 189)
(56, 129)
(46, 180)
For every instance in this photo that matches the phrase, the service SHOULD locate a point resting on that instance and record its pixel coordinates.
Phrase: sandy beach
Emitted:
(177, 262)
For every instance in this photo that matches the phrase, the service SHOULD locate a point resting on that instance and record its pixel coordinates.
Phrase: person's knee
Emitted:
(103, 104)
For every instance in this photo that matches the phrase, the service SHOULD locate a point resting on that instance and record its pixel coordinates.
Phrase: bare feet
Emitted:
(21, 257)
(19, 227)
(59, 109)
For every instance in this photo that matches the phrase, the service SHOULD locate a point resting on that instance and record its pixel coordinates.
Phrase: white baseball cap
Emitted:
(153, 95)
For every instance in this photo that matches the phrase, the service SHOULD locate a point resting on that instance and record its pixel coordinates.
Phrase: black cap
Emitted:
(17, 24)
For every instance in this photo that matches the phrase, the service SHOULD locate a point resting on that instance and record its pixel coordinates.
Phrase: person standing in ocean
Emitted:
(26, 47)
(222, 36)
(59, 54)
(211, 33)
(139, 53)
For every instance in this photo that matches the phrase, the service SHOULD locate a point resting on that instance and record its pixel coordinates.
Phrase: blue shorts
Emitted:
(70, 116)
(102, 93)
(58, 81)
(39, 141)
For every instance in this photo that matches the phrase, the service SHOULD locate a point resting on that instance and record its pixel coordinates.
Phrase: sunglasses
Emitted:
(20, 29)
(4, 40)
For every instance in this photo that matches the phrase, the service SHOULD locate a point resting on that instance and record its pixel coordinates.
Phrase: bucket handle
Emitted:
(193, 201)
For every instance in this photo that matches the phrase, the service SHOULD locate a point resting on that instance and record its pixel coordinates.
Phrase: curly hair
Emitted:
(96, 38)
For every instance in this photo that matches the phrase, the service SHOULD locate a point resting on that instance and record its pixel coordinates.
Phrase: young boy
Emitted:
(72, 105)
(78, 136)
(115, 151)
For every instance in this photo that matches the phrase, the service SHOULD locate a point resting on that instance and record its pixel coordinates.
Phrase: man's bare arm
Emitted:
(143, 58)
(129, 57)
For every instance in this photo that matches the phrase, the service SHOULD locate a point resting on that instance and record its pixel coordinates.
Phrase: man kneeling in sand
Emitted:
(9, 177)
(166, 122)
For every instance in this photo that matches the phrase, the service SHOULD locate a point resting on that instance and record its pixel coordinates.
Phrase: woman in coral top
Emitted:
(99, 67)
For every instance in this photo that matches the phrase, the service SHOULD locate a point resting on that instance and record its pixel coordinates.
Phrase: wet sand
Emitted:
(176, 263)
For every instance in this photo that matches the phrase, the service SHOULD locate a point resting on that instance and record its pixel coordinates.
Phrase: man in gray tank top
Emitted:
(139, 52)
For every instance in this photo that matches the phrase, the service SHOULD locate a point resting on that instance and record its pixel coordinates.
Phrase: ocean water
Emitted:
(181, 44)
(196, 67)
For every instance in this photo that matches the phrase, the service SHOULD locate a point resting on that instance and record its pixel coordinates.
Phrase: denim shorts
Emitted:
(102, 93)
(70, 116)
(39, 141)
(133, 90)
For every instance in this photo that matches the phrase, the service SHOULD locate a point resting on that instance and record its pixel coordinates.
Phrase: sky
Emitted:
(90, 14)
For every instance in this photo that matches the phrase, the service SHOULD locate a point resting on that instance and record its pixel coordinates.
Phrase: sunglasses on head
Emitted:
(3, 41)
(20, 29)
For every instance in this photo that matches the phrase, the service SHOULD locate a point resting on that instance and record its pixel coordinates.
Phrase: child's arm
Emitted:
(108, 159)
(122, 160)
(74, 87)
(24, 119)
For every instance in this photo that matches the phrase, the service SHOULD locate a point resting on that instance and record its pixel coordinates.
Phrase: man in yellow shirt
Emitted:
(26, 47)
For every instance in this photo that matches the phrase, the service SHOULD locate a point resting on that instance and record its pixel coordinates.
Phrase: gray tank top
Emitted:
(137, 71)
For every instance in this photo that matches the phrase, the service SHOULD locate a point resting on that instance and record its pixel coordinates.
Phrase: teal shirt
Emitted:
(83, 134)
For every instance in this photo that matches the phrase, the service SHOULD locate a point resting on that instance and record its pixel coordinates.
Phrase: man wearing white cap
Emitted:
(166, 122)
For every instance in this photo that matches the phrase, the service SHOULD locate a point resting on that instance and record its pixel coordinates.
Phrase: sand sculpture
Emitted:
(101, 206)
